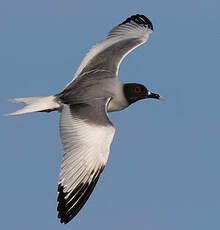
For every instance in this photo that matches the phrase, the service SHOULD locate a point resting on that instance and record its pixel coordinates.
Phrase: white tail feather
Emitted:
(35, 104)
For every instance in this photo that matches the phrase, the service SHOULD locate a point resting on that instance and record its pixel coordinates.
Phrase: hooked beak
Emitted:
(154, 95)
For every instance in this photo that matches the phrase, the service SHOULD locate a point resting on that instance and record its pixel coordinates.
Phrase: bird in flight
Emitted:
(85, 129)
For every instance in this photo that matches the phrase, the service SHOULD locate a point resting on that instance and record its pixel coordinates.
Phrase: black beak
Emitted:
(154, 95)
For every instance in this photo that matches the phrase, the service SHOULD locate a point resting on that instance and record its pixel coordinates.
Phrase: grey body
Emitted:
(94, 86)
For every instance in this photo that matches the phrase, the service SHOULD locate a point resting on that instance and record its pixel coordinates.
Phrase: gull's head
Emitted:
(134, 92)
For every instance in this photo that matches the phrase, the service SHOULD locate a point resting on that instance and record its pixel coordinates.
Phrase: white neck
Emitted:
(118, 102)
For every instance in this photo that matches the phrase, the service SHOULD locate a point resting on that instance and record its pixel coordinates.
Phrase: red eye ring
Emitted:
(137, 89)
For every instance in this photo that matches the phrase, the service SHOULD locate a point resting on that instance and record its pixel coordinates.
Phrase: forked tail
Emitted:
(35, 104)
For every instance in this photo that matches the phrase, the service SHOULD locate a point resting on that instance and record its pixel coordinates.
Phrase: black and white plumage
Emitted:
(85, 129)
(86, 142)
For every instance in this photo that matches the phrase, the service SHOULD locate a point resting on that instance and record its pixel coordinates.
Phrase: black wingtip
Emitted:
(139, 19)
(69, 207)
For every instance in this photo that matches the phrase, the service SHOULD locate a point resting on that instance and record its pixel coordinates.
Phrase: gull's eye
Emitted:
(138, 89)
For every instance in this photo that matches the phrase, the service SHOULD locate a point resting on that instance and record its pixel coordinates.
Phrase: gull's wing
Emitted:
(108, 54)
(86, 134)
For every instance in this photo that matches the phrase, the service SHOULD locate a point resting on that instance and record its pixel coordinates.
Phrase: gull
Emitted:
(85, 129)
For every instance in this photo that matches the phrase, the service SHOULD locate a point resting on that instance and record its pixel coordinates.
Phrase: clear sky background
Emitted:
(163, 171)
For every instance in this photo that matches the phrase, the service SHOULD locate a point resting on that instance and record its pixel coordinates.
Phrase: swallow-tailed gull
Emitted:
(85, 129)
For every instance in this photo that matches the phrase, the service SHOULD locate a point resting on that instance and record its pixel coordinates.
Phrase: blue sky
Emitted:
(163, 170)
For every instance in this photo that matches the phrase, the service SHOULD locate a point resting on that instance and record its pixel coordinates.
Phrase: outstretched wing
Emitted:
(108, 54)
(86, 135)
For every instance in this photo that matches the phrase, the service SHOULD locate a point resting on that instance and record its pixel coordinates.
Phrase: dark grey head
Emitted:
(134, 92)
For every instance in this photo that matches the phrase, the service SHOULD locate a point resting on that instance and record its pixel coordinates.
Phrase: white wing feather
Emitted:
(86, 149)
(128, 30)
